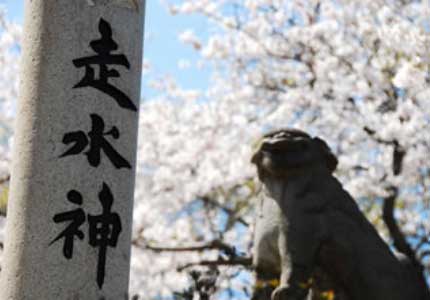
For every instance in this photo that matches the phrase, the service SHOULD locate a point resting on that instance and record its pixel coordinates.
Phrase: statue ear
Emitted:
(330, 158)
(256, 147)
(256, 157)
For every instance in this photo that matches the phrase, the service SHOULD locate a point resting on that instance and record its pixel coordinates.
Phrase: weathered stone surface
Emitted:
(56, 34)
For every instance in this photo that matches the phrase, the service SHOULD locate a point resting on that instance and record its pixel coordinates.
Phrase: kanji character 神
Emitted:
(103, 229)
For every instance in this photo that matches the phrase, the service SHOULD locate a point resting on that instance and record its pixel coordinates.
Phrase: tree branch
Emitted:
(236, 261)
(398, 237)
(230, 251)
(398, 151)
(212, 245)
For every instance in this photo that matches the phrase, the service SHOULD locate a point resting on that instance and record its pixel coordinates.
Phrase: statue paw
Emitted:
(287, 293)
(280, 293)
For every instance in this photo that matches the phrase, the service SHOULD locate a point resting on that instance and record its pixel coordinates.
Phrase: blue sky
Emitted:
(162, 49)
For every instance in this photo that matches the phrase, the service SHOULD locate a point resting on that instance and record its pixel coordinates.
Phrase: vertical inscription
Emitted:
(104, 229)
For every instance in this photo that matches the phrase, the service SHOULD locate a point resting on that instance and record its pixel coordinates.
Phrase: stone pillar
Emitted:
(70, 209)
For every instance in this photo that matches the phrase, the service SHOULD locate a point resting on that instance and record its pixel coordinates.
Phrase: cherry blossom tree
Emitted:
(355, 73)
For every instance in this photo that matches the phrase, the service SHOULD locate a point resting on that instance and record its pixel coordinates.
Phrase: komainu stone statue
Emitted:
(311, 240)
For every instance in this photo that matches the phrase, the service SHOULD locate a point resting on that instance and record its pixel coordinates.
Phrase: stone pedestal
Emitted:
(70, 209)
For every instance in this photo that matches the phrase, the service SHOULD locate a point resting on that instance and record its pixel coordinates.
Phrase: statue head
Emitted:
(288, 151)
